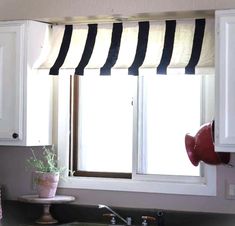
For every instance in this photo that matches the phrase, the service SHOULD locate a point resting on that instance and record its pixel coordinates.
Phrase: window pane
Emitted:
(171, 108)
(105, 123)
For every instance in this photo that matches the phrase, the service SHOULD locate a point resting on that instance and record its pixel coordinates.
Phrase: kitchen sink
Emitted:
(89, 224)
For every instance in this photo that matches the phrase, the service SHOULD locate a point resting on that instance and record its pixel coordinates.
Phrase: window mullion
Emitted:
(138, 131)
(135, 139)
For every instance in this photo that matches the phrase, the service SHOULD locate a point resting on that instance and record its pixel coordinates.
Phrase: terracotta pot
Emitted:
(47, 184)
(201, 147)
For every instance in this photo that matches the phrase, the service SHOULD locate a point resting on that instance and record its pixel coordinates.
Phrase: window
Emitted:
(126, 133)
(133, 127)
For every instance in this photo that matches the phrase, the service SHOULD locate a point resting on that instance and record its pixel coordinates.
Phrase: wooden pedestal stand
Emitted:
(46, 217)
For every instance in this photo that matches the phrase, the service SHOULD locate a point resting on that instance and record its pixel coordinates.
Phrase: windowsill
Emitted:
(207, 188)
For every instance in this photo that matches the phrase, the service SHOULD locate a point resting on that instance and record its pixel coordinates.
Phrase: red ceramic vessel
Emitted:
(201, 147)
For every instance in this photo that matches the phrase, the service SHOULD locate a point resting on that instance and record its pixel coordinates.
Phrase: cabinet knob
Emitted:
(15, 135)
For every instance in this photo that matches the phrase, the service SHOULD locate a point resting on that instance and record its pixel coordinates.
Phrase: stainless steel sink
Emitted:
(89, 224)
(86, 224)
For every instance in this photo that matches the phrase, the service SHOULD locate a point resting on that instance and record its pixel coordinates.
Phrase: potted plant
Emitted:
(47, 172)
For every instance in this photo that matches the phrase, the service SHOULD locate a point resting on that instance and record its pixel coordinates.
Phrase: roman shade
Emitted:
(183, 44)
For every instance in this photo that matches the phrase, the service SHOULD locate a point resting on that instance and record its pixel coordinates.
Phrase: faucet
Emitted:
(128, 219)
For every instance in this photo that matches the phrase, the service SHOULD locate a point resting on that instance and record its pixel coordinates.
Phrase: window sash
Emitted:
(138, 142)
(74, 136)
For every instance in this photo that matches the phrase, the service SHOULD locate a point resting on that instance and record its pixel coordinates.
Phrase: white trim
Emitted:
(203, 186)
(208, 188)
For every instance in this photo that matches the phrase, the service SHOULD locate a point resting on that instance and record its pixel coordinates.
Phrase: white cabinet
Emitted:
(225, 81)
(25, 93)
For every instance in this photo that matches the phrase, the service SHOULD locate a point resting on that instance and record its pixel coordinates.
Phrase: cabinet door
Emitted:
(11, 105)
(225, 81)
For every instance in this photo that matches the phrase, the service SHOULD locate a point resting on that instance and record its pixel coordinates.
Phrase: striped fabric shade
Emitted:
(159, 45)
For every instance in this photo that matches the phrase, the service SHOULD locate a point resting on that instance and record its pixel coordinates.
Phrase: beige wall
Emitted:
(17, 180)
(13, 174)
(38, 9)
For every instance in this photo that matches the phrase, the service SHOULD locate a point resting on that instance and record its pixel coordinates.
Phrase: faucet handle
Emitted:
(146, 219)
(129, 220)
(112, 216)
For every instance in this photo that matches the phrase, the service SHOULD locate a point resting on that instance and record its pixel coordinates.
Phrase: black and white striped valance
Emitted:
(158, 45)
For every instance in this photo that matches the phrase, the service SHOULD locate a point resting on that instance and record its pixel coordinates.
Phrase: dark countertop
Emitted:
(16, 213)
